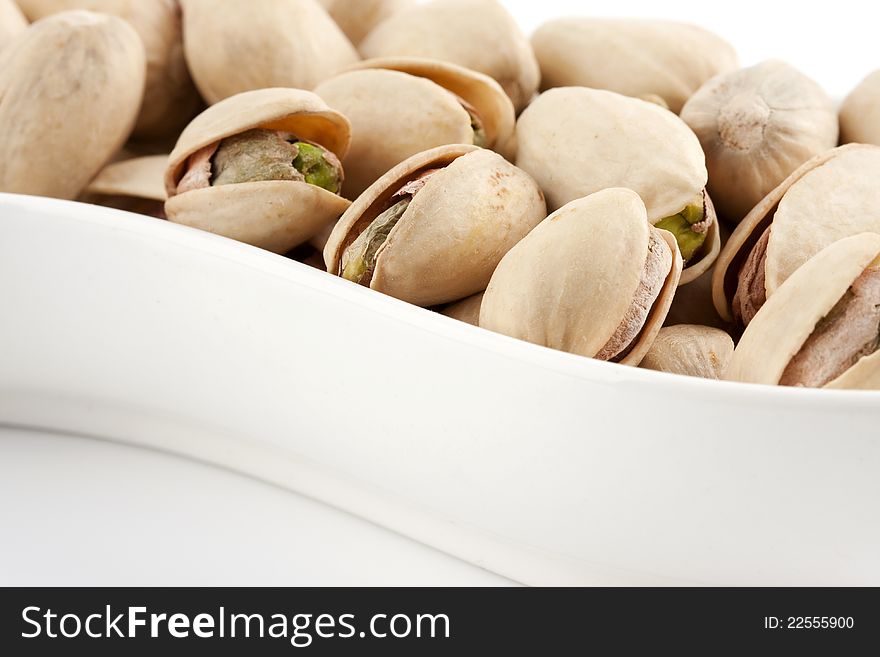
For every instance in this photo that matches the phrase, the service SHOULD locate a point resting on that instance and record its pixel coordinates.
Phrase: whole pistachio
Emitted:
(170, 98)
(467, 310)
(477, 34)
(822, 326)
(358, 17)
(757, 125)
(260, 167)
(70, 89)
(433, 229)
(134, 185)
(575, 141)
(690, 350)
(12, 22)
(832, 196)
(635, 58)
(260, 44)
(860, 113)
(594, 278)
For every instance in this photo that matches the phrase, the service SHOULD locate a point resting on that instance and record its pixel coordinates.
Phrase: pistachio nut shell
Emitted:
(358, 18)
(477, 34)
(757, 125)
(690, 350)
(70, 90)
(457, 228)
(569, 284)
(424, 116)
(261, 44)
(480, 91)
(782, 326)
(632, 57)
(141, 177)
(860, 113)
(467, 310)
(274, 215)
(830, 197)
(12, 22)
(170, 98)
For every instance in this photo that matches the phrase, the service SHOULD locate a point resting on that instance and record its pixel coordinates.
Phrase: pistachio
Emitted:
(635, 58)
(690, 350)
(70, 88)
(12, 22)
(227, 53)
(822, 326)
(860, 113)
(467, 310)
(690, 228)
(134, 185)
(476, 34)
(433, 229)
(757, 125)
(594, 278)
(358, 18)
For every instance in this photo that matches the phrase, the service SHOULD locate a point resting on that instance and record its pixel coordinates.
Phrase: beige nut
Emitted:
(70, 87)
(860, 113)
(690, 350)
(637, 58)
(357, 18)
(820, 328)
(265, 211)
(832, 196)
(467, 310)
(757, 125)
(477, 34)
(134, 185)
(433, 229)
(12, 22)
(260, 44)
(594, 278)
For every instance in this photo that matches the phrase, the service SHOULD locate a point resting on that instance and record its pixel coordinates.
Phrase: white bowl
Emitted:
(541, 466)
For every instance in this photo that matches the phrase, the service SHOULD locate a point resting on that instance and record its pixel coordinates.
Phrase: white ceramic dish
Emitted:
(541, 466)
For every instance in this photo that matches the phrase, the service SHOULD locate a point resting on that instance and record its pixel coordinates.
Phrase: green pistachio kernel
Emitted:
(689, 228)
(254, 156)
(359, 259)
(311, 162)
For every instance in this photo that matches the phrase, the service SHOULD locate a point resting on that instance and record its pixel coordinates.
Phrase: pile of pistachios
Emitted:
(618, 189)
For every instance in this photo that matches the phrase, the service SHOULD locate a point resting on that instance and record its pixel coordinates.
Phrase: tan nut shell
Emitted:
(423, 116)
(454, 232)
(357, 18)
(477, 34)
(260, 44)
(632, 57)
(140, 177)
(70, 89)
(690, 350)
(783, 324)
(274, 215)
(569, 283)
(757, 125)
(170, 98)
(467, 310)
(834, 195)
(12, 22)
(860, 113)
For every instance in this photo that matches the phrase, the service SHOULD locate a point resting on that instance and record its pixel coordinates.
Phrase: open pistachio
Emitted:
(576, 141)
(832, 196)
(467, 310)
(636, 58)
(690, 350)
(70, 89)
(257, 45)
(135, 185)
(261, 167)
(757, 125)
(822, 326)
(594, 278)
(477, 34)
(433, 229)
(860, 113)
(357, 18)
(12, 22)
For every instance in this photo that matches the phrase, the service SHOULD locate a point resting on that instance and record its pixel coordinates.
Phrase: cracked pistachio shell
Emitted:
(477, 34)
(424, 116)
(635, 58)
(569, 284)
(140, 177)
(274, 215)
(12, 22)
(467, 310)
(782, 326)
(690, 350)
(70, 89)
(261, 44)
(860, 113)
(832, 196)
(757, 125)
(454, 232)
(170, 98)
(357, 18)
